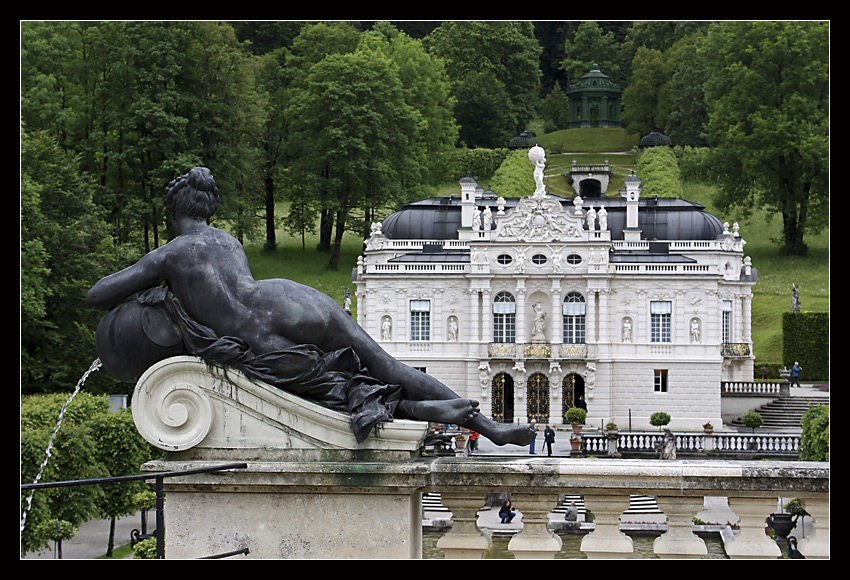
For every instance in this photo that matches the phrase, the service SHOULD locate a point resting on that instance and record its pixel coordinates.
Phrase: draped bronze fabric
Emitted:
(335, 380)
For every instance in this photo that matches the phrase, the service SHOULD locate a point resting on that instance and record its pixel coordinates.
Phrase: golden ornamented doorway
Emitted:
(503, 398)
(538, 398)
(571, 389)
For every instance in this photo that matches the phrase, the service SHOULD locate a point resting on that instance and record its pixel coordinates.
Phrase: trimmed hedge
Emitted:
(454, 165)
(805, 338)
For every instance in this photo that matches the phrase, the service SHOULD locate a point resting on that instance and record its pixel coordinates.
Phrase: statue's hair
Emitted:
(194, 194)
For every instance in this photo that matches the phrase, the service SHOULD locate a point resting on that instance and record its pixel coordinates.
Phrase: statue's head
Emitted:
(192, 195)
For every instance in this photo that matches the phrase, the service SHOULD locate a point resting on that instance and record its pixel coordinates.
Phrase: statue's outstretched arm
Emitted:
(114, 289)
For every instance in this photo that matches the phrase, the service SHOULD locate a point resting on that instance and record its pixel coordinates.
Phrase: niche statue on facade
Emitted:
(538, 331)
(453, 329)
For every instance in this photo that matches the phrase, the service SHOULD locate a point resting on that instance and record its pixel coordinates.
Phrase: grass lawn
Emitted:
(307, 266)
(776, 272)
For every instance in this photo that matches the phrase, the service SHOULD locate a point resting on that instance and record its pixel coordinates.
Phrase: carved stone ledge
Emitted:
(183, 405)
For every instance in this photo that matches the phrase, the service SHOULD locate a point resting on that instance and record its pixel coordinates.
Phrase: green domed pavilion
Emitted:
(595, 101)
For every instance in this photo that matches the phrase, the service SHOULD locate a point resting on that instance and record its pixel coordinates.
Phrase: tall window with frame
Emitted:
(420, 320)
(660, 380)
(504, 318)
(660, 325)
(726, 322)
(574, 318)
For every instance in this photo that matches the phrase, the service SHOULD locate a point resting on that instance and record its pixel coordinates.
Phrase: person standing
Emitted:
(581, 404)
(473, 442)
(549, 438)
(533, 428)
(795, 374)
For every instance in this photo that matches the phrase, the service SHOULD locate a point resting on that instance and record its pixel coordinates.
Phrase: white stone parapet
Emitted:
(182, 404)
(310, 491)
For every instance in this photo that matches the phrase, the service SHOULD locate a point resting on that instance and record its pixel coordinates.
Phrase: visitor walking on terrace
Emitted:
(795, 374)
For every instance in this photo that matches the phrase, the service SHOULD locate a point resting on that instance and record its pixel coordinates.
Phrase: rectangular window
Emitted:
(574, 322)
(504, 322)
(660, 321)
(420, 320)
(660, 380)
(727, 321)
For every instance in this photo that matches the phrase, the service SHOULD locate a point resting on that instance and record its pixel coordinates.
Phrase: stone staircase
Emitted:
(784, 413)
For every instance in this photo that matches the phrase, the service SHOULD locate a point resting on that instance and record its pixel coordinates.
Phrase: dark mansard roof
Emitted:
(666, 219)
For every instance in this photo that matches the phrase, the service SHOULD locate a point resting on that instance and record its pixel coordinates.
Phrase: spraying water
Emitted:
(94, 366)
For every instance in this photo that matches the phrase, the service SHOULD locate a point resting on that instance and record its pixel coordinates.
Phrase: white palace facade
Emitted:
(637, 305)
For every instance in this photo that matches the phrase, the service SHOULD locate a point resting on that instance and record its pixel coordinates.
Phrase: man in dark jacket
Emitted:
(549, 438)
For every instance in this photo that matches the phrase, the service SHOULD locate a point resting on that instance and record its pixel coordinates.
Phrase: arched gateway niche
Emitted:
(572, 388)
(538, 398)
(503, 398)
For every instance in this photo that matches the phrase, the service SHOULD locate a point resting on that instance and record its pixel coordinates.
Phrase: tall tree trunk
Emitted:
(110, 546)
(326, 223)
(333, 263)
(271, 234)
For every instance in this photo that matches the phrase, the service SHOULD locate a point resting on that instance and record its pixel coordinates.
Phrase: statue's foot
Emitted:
(454, 411)
(501, 433)
(506, 433)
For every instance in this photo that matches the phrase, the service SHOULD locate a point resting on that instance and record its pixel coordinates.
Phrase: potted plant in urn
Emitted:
(460, 439)
(575, 442)
(611, 428)
(708, 428)
(576, 418)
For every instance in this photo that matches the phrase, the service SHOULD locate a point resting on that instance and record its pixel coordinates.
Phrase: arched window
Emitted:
(574, 318)
(504, 318)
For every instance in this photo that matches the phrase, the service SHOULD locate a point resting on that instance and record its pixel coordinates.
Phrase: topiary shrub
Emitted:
(659, 419)
(752, 420)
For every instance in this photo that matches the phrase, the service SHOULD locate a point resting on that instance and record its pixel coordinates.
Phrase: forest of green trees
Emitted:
(344, 120)
(340, 123)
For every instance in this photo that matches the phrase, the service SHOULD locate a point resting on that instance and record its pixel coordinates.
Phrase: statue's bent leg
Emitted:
(427, 399)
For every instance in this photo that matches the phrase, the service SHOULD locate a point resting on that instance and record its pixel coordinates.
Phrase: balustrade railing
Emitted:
(754, 388)
(753, 490)
(766, 445)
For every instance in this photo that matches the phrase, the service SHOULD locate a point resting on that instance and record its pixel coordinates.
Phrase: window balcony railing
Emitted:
(536, 350)
(735, 350)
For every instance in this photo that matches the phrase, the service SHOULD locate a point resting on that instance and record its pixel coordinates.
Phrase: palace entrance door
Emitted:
(538, 398)
(572, 389)
(503, 398)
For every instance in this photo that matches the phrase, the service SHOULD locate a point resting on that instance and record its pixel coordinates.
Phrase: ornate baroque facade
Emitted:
(637, 305)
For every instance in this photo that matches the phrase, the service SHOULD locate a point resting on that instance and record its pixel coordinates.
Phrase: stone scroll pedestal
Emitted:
(309, 489)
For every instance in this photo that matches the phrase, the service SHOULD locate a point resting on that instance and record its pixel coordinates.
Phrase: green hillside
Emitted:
(776, 272)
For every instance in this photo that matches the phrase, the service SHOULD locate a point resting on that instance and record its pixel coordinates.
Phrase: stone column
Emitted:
(816, 545)
(465, 539)
(535, 540)
(474, 318)
(602, 316)
(680, 541)
(556, 318)
(751, 541)
(486, 317)
(521, 322)
(606, 541)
